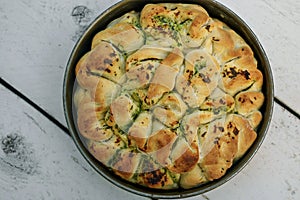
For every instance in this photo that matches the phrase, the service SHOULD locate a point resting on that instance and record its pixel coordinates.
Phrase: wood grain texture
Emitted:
(277, 26)
(36, 39)
(39, 161)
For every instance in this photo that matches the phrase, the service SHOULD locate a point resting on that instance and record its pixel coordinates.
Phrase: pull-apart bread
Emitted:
(168, 97)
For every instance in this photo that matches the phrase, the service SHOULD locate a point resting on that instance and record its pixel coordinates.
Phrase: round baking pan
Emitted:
(215, 10)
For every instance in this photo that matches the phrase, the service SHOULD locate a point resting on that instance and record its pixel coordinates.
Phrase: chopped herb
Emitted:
(200, 64)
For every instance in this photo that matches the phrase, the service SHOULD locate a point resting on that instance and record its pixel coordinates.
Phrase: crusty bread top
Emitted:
(168, 97)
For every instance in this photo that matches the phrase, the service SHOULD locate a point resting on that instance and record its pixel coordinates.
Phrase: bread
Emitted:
(117, 33)
(249, 101)
(222, 141)
(199, 79)
(102, 61)
(122, 33)
(174, 25)
(192, 178)
(140, 130)
(90, 121)
(170, 109)
(105, 151)
(160, 144)
(168, 97)
(184, 156)
(125, 163)
(160, 85)
(141, 65)
(150, 174)
(123, 111)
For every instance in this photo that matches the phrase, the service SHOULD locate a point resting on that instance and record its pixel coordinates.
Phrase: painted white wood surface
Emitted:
(36, 38)
(277, 25)
(39, 161)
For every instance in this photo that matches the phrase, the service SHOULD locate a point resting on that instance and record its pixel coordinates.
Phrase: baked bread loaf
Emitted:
(168, 97)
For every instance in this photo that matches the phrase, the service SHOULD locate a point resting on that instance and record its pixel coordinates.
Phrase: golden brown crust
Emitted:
(190, 125)
(226, 45)
(125, 36)
(218, 99)
(141, 65)
(182, 107)
(184, 156)
(199, 79)
(104, 151)
(219, 159)
(255, 118)
(218, 40)
(192, 178)
(170, 109)
(167, 22)
(140, 130)
(222, 142)
(218, 149)
(126, 163)
(131, 17)
(247, 102)
(123, 109)
(160, 144)
(186, 11)
(106, 91)
(236, 79)
(159, 83)
(90, 122)
(146, 53)
(85, 80)
(242, 129)
(153, 176)
(104, 60)
(242, 57)
(215, 106)
(81, 96)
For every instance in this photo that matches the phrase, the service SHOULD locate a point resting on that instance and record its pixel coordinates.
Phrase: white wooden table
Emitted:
(38, 160)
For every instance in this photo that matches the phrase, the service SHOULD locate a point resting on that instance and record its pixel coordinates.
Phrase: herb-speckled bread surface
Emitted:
(168, 97)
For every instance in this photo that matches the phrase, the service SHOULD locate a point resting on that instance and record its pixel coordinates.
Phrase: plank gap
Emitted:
(285, 106)
(34, 105)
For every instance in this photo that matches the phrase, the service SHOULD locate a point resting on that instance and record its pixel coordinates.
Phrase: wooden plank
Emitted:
(276, 24)
(36, 39)
(39, 161)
